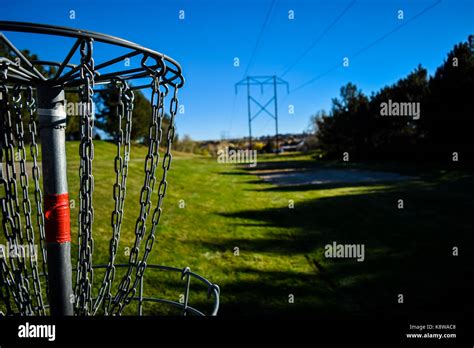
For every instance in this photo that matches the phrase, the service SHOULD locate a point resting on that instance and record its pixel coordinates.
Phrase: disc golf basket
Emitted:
(36, 209)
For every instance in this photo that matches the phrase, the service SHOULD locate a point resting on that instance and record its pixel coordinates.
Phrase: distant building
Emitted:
(299, 146)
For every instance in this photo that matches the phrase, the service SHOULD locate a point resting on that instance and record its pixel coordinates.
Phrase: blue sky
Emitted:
(214, 32)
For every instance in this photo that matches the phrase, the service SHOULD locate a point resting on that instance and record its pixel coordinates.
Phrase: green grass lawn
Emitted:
(281, 249)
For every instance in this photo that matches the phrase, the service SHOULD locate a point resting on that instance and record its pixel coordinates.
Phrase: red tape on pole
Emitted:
(57, 218)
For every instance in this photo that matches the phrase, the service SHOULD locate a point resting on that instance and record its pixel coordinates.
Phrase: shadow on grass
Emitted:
(314, 187)
(407, 251)
(427, 170)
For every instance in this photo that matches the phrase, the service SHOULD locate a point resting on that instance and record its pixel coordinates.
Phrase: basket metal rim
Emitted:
(55, 30)
(212, 287)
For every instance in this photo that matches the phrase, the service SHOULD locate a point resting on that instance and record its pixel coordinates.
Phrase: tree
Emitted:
(72, 122)
(397, 137)
(345, 129)
(106, 114)
(355, 124)
(185, 145)
(450, 105)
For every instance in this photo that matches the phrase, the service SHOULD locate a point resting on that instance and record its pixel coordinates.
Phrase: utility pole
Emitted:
(276, 114)
(262, 81)
(248, 111)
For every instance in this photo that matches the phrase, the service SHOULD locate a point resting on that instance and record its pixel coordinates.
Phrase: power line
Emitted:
(318, 39)
(262, 81)
(259, 38)
(257, 44)
(383, 37)
(372, 44)
(314, 79)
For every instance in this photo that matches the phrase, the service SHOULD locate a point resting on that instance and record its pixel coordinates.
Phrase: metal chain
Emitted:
(158, 115)
(31, 107)
(151, 162)
(19, 240)
(10, 206)
(14, 277)
(26, 203)
(85, 274)
(161, 191)
(22, 273)
(7, 279)
(124, 109)
(5, 285)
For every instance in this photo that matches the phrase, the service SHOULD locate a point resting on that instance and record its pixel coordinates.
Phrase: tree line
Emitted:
(358, 124)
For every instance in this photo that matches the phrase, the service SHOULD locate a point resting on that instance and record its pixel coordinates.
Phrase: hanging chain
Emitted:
(16, 207)
(7, 278)
(31, 107)
(151, 162)
(85, 273)
(158, 97)
(11, 221)
(5, 285)
(21, 276)
(26, 203)
(124, 109)
(166, 164)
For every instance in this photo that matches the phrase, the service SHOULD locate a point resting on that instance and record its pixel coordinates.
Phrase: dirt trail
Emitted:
(328, 176)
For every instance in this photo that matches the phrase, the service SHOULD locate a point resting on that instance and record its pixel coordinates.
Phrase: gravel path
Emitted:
(329, 176)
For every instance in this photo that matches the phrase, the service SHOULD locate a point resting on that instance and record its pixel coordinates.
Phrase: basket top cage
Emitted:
(23, 289)
(24, 72)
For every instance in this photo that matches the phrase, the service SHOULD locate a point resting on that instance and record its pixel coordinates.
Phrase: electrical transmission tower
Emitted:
(262, 81)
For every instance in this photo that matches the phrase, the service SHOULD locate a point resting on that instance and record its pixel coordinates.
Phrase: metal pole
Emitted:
(52, 122)
(249, 113)
(276, 113)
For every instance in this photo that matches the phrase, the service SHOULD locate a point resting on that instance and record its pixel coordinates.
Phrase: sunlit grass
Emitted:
(280, 249)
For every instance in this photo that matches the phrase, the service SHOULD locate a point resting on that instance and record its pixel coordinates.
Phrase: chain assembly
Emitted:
(124, 110)
(85, 272)
(151, 160)
(26, 204)
(15, 277)
(31, 108)
(7, 278)
(29, 95)
(166, 164)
